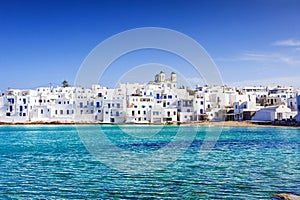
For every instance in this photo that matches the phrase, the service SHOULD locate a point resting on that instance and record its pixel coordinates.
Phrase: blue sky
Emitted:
(251, 42)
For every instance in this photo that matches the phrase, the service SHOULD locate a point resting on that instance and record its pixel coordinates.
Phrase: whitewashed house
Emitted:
(185, 110)
(139, 108)
(274, 113)
(298, 107)
(114, 107)
(258, 91)
(153, 103)
(17, 105)
(292, 103)
(84, 98)
(199, 106)
(244, 107)
(282, 92)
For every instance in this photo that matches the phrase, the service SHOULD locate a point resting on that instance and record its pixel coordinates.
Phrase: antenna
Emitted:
(50, 87)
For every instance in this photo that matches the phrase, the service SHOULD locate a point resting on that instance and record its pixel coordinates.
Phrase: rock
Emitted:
(288, 196)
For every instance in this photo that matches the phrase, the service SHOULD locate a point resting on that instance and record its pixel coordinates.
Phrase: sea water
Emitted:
(52, 162)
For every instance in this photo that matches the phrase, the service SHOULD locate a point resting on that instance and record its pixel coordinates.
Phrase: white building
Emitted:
(159, 101)
(244, 106)
(282, 92)
(298, 107)
(17, 105)
(274, 113)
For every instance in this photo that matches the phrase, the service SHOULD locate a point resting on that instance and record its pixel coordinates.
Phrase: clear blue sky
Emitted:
(46, 41)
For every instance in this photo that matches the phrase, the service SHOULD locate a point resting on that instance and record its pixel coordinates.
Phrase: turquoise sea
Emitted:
(51, 162)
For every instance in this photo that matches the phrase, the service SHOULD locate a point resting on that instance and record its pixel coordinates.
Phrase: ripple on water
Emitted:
(50, 162)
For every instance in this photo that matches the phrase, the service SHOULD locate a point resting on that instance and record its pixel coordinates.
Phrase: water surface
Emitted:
(51, 162)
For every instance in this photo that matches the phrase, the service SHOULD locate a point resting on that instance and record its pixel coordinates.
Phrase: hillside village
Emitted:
(158, 102)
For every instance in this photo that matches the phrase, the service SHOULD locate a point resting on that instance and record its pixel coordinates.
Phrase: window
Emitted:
(139, 112)
(174, 113)
(99, 111)
(169, 96)
(201, 102)
(143, 106)
(201, 111)
(42, 111)
(24, 114)
(132, 113)
(144, 112)
(61, 112)
(24, 101)
(97, 104)
(68, 112)
(11, 100)
(56, 112)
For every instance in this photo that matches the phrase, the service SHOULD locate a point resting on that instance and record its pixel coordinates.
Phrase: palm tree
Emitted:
(65, 83)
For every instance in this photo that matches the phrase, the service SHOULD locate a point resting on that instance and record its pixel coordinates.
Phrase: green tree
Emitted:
(65, 83)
